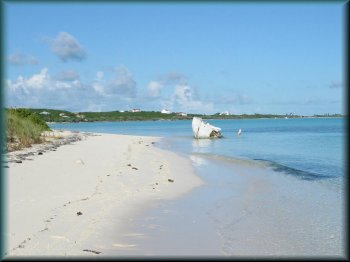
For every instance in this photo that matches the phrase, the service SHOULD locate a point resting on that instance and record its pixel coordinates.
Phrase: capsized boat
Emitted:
(202, 129)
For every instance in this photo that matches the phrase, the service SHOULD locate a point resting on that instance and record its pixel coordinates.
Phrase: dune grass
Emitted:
(24, 128)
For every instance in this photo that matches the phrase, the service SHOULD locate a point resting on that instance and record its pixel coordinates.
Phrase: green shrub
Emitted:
(24, 128)
(32, 116)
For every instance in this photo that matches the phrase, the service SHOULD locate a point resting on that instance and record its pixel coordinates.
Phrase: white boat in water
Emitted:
(202, 129)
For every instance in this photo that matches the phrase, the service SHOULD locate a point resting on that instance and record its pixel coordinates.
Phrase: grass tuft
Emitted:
(24, 128)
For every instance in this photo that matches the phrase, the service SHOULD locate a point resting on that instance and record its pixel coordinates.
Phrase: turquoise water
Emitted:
(309, 148)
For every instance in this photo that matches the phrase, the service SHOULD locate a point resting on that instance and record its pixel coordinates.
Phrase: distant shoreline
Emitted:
(61, 116)
(145, 120)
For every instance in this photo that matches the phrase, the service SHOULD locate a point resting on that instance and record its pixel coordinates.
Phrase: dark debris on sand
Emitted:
(40, 149)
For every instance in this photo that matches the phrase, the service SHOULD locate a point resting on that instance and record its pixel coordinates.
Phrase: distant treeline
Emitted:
(52, 115)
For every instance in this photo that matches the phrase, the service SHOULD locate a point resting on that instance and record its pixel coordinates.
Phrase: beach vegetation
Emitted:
(24, 128)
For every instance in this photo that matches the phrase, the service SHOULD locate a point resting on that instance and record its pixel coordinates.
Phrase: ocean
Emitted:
(288, 173)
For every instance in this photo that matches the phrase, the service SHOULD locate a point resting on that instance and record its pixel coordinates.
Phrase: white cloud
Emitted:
(20, 59)
(66, 91)
(67, 47)
(123, 84)
(41, 90)
(169, 80)
(99, 88)
(183, 99)
(38, 81)
(182, 94)
(98, 85)
(103, 93)
(154, 89)
(173, 91)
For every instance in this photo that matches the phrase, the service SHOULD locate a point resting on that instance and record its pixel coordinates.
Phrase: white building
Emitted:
(181, 114)
(165, 111)
(226, 113)
(44, 113)
(135, 110)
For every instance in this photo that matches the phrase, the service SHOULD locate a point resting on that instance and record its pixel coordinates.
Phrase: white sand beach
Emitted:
(60, 201)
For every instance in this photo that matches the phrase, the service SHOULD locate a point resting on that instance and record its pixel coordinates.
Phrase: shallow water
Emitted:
(315, 145)
(243, 210)
(275, 190)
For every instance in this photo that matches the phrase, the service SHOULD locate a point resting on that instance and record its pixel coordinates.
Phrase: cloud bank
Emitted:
(115, 91)
(67, 91)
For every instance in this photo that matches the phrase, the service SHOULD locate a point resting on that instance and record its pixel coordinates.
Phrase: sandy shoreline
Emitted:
(60, 200)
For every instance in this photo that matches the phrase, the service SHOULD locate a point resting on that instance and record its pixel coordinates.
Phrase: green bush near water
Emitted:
(23, 128)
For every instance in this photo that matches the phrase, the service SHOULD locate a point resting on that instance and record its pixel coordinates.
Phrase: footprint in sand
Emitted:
(60, 238)
(137, 235)
(80, 162)
(123, 245)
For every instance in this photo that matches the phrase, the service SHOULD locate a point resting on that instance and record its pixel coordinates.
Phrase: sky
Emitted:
(197, 57)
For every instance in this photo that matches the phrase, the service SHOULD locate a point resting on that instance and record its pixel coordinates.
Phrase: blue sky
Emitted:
(241, 57)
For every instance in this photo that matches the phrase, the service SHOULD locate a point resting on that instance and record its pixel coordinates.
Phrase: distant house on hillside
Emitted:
(181, 114)
(44, 113)
(226, 113)
(165, 111)
(135, 110)
(79, 116)
(63, 115)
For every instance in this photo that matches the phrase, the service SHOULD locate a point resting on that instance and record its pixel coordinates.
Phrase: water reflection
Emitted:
(198, 161)
(202, 145)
